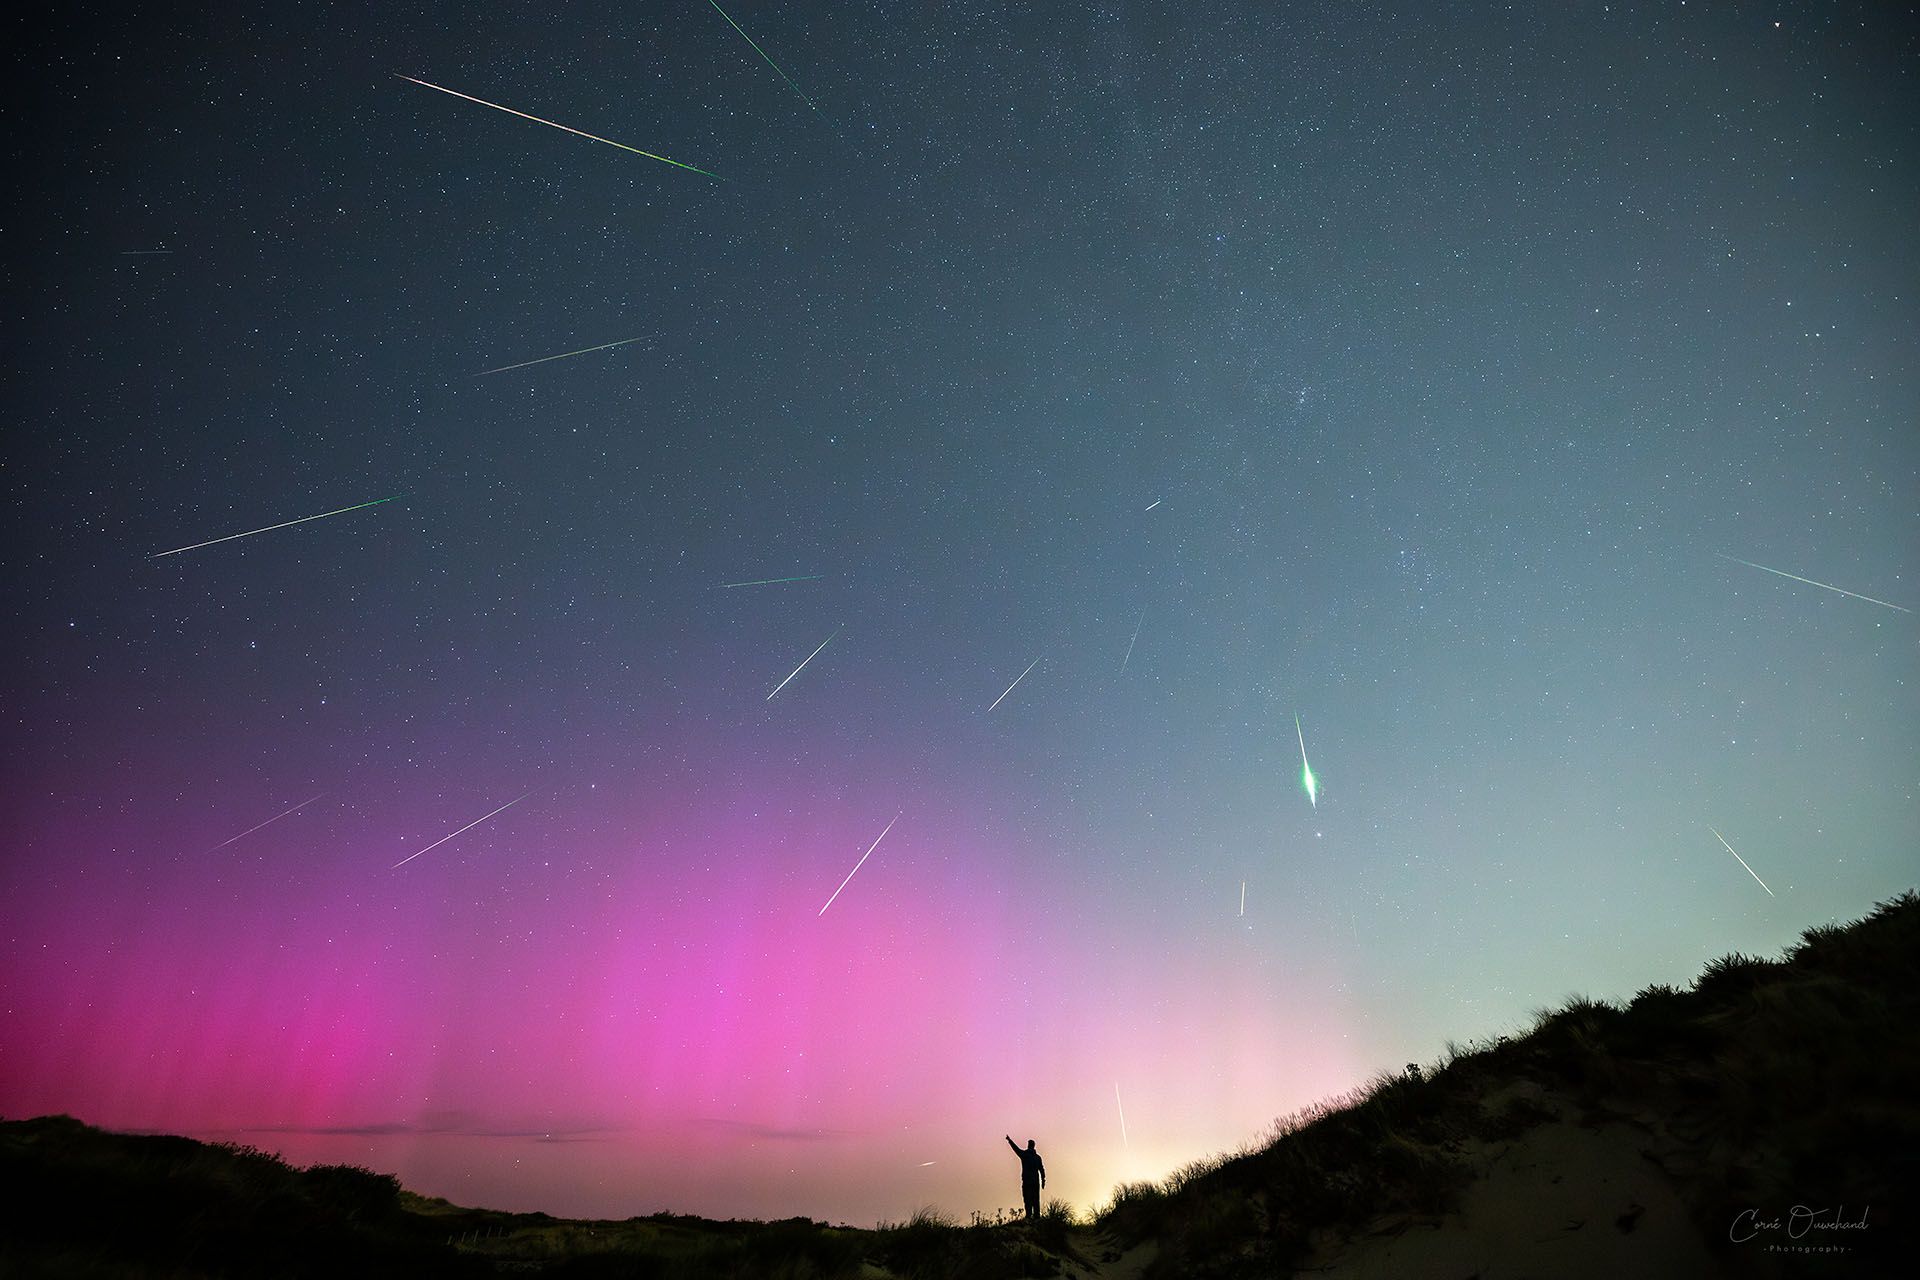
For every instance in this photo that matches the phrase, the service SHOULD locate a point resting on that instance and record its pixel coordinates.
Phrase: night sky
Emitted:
(1424, 372)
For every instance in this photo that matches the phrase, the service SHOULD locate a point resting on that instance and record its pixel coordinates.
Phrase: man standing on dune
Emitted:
(1033, 1176)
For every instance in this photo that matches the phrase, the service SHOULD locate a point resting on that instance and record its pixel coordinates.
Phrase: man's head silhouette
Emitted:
(1029, 1144)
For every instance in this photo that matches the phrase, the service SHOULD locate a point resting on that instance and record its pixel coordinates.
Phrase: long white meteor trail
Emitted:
(809, 658)
(566, 128)
(1824, 586)
(1123, 1116)
(762, 582)
(1150, 506)
(1243, 897)
(1743, 862)
(863, 862)
(470, 826)
(1136, 635)
(1016, 680)
(269, 822)
(270, 528)
(605, 346)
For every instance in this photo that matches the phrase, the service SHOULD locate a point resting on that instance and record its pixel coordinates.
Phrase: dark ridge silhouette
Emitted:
(1768, 1084)
(85, 1202)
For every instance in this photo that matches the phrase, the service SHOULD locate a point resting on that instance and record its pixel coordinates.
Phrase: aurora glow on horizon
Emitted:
(1466, 349)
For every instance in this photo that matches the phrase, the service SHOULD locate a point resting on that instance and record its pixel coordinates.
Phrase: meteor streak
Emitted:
(1306, 771)
(863, 861)
(1243, 897)
(1156, 502)
(269, 822)
(470, 826)
(1123, 1116)
(270, 528)
(763, 53)
(1016, 680)
(562, 356)
(809, 658)
(553, 124)
(1136, 635)
(761, 582)
(1743, 862)
(1824, 586)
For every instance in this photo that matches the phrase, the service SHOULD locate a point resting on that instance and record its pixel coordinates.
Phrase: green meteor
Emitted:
(1306, 771)
(270, 528)
(763, 53)
(767, 582)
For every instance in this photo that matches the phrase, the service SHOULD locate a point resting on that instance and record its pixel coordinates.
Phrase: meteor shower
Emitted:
(694, 612)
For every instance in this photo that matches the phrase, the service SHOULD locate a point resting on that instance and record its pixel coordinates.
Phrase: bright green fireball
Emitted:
(1306, 771)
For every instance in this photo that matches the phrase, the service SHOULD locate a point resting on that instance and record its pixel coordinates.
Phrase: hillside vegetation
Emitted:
(1770, 1083)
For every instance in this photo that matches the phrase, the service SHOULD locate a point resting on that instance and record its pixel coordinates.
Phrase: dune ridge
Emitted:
(1759, 1123)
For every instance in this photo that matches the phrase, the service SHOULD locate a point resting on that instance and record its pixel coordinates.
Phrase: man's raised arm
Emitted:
(1013, 1144)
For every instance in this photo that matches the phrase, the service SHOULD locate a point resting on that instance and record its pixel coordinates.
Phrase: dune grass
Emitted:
(1782, 1073)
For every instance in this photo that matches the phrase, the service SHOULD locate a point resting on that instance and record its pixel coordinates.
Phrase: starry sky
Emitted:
(1424, 372)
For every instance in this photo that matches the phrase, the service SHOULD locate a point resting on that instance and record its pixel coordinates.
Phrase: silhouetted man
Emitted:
(1033, 1176)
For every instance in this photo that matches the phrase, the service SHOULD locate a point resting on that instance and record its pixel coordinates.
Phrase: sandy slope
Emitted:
(1562, 1200)
(1109, 1263)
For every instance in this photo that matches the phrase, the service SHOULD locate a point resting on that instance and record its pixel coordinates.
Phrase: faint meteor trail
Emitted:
(1136, 635)
(762, 582)
(1016, 680)
(1156, 502)
(142, 253)
(269, 822)
(1743, 862)
(567, 128)
(562, 356)
(809, 658)
(863, 862)
(470, 826)
(1123, 1116)
(270, 528)
(1243, 897)
(1824, 586)
(925, 1163)
(1306, 771)
(763, 53)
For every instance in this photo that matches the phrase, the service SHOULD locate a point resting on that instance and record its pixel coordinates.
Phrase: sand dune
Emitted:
(1568, 1200)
